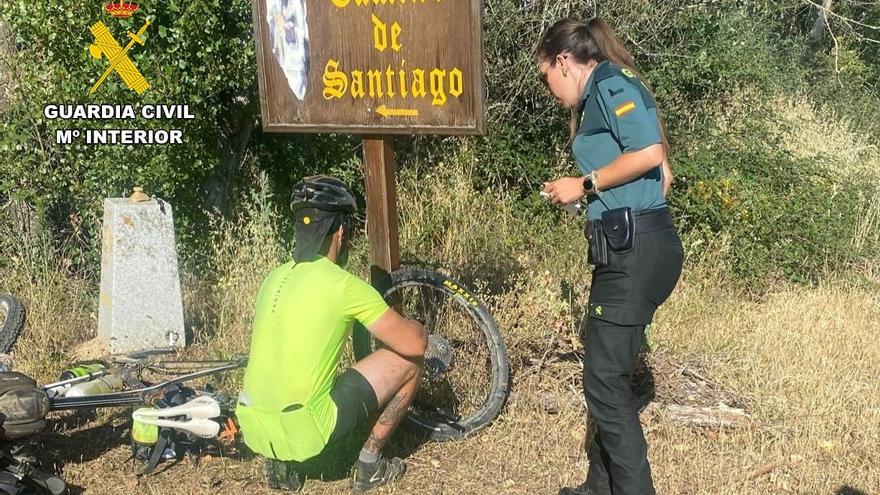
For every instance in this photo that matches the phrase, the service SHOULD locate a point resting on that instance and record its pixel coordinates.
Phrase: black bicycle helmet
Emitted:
(321, 204)
(323, 193)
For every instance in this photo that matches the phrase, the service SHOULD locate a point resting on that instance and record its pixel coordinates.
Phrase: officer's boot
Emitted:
(577, 490)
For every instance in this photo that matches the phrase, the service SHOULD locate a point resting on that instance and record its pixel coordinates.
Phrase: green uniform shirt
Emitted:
(619, 116)
(303, 317)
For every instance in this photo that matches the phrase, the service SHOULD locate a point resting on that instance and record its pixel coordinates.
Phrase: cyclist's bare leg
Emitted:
(395, 379)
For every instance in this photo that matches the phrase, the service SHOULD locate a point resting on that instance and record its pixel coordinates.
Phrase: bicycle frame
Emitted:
(139, 396)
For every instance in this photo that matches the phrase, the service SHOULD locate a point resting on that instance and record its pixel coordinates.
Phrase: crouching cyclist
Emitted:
(293, 405)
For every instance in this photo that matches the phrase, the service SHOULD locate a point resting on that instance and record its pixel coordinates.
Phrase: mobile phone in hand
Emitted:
(573, 208)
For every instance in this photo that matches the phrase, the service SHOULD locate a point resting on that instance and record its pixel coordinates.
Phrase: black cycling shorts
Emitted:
(356, 403)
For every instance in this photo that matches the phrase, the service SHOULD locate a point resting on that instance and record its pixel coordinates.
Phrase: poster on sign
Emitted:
(370, 66)
(289, 37)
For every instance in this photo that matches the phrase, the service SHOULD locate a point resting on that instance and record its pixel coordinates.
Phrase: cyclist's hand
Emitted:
(565, 190)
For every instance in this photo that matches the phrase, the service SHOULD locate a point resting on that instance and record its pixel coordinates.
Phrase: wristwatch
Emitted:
(590, 184)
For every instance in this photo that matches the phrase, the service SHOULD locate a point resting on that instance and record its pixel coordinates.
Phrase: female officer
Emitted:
(618, 143)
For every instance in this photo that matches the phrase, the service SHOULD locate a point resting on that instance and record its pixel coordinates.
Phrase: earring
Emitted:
(564, 72)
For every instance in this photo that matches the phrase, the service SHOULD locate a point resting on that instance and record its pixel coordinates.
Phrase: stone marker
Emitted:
(140, 304)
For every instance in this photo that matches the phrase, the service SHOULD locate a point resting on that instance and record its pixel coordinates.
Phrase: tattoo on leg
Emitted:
(391, 415)
(374, 443)
(394, 410)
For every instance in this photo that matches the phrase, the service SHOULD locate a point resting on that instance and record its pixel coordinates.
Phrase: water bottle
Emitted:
(101, 385)
(144, 438)
(79, 371)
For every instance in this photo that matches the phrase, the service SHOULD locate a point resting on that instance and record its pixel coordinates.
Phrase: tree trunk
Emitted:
(18, 220)
(819, 26)
(219, 188)
(7, 48)
(217, 191)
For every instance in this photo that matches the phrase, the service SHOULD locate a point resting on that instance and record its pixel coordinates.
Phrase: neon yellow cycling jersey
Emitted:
(303, 317)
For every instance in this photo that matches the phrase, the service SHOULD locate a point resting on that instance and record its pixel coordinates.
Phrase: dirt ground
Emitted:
(802, 363)
(534, 447)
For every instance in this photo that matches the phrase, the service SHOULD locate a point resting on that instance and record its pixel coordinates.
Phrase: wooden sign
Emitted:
(370, 66)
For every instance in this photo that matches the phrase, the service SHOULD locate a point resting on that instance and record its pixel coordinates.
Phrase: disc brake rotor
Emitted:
(438, 357)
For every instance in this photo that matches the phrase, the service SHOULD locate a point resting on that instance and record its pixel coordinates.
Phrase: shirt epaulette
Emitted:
(606, 70)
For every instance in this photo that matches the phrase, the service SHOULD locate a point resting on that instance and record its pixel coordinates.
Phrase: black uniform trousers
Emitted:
(623, 297)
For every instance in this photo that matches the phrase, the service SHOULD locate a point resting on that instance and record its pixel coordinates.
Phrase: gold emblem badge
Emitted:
(106, 45)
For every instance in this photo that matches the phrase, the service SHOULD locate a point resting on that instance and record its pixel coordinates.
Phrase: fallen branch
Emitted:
(762, 470)
(693, 374)
(701, 417)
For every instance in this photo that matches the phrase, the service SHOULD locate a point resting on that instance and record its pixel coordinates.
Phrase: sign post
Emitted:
(372, 67)
(381, 185)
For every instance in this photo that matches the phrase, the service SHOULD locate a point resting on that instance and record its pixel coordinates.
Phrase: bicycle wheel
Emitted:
(12, 317)
(465, 383)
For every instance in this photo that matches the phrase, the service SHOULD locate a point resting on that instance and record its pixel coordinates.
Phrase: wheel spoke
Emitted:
(464, 388)
(465, 381)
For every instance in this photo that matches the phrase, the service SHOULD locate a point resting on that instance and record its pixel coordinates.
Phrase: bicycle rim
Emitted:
(465, 382)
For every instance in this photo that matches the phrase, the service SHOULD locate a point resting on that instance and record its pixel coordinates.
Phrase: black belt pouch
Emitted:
(597, 253)
(619, 227)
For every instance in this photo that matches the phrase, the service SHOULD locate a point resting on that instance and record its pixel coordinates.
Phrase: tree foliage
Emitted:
(199, 53)
(703, 58)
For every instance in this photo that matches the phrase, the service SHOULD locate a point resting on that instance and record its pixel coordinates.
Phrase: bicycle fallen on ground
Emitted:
(464, 387)
(177, 419)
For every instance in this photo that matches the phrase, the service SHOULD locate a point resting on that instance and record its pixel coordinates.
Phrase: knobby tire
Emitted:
(491, 355)
(12, 314)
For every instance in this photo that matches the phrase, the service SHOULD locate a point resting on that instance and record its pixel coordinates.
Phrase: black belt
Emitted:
(647, 221)
(653, 220)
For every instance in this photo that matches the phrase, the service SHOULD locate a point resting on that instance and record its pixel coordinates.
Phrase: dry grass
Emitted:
(805, 131)
(60, 308)
(807, 360)
(809, 132)
(219, 300)
(804, 361)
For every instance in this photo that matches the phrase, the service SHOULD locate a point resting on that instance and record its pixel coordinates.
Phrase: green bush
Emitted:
(704, 58)
(199, 53)
(786, 217)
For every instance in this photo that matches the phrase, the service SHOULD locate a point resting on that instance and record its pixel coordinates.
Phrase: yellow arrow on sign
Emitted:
(396, 112)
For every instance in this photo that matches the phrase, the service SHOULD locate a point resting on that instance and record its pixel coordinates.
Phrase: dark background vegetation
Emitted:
(785, 214)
